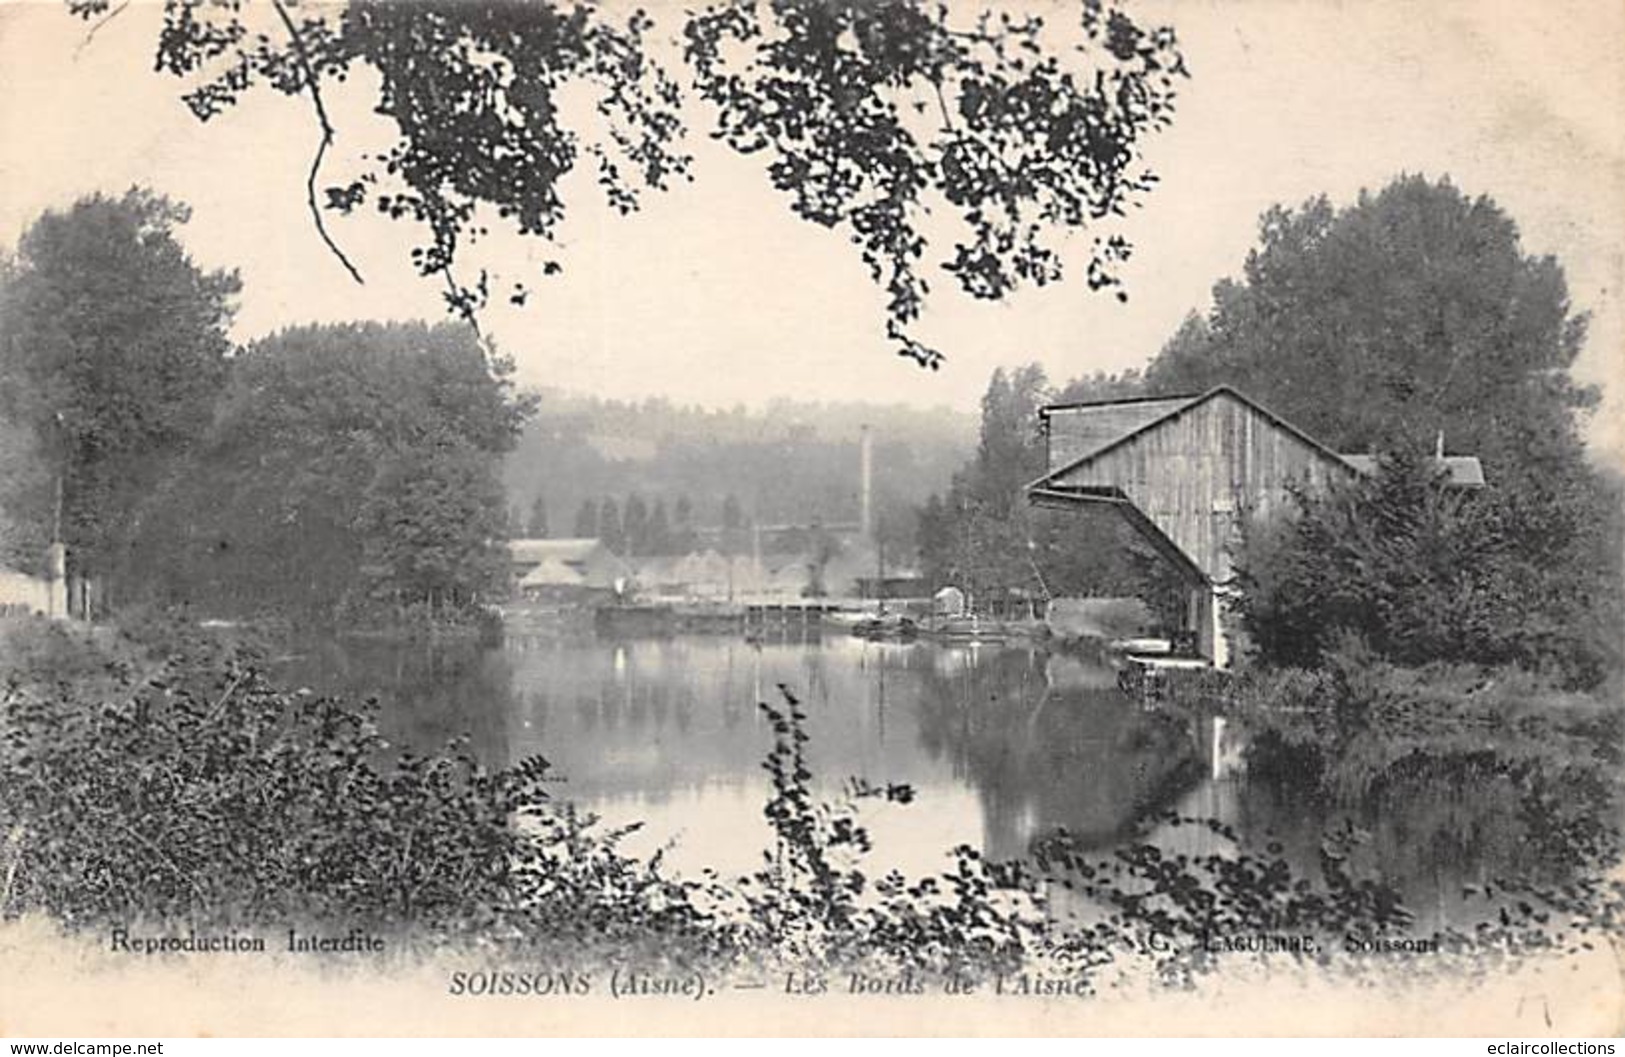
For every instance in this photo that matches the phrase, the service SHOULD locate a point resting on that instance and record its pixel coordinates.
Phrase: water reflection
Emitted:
(426, 695)
(1002, 745)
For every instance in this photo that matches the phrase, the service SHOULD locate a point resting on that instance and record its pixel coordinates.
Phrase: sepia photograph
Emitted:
(797, 518)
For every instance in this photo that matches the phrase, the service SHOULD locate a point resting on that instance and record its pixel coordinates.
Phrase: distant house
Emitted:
(1187, 472)
(846, 570)
(857, 570)
(564, 570)
(710, 575)
(22, 594)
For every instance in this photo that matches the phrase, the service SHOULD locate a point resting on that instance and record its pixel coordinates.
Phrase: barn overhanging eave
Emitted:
(1063, 498)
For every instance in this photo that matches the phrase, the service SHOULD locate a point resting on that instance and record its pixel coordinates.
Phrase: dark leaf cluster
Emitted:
(870, 115)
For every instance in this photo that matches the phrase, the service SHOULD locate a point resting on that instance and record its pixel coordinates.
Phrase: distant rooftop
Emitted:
(1461, 471)
(553, 573)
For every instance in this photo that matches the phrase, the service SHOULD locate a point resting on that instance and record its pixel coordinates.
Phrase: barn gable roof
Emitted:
(1118, 422)
(1093, 425)
(1158, 412)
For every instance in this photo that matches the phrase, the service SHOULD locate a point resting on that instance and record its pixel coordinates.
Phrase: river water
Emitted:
(1001, 744)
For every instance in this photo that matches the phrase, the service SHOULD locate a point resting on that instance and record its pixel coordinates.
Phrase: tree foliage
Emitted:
(181, 785)
(869, 116)
(1414, 572)
(1412, 312)
(634, 529)
(427, 523)
(1410, 316)
(112, 351)
(978, 535)
(27, 497)
(791, 463)
(586, 523)
(610, 528)
(536, 526)
(349, 467)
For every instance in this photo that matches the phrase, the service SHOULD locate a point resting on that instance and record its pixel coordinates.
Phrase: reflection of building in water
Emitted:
(1044, 757)
(1001, 744)
(1069, 672)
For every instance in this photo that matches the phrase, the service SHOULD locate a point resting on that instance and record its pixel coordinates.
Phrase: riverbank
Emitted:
(196, 789)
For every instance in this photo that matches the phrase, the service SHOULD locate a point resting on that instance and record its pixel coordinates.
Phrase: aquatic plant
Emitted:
(813, 898)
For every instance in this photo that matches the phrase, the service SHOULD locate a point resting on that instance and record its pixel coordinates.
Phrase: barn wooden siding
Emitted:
(1079, 430)
(1197, 473)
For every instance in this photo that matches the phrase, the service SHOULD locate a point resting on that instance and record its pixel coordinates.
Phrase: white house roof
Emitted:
(553, 573)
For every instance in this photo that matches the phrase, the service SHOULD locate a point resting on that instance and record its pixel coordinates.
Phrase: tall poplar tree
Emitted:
(113, 349)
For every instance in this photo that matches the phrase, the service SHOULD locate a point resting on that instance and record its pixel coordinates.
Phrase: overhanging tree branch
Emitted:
(321, 147)
(473, 95)
(90, 34)
(942, 105)
(463, 303)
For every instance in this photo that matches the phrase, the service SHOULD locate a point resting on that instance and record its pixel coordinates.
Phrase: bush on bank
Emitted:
(1420, 573)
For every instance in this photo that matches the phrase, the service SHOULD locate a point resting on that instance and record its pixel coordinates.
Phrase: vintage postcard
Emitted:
(811, 517)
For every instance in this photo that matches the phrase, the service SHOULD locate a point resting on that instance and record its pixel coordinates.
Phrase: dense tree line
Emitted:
(323, 470)
(1409, 570)
(1021, 128)
(353, 469)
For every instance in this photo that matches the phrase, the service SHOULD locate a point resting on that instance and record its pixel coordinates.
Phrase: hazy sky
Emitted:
(716, 294)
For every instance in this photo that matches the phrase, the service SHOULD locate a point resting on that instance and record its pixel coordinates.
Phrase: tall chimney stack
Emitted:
(866, 522)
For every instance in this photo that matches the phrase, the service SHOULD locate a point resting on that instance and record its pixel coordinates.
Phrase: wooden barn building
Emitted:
(1187, 472)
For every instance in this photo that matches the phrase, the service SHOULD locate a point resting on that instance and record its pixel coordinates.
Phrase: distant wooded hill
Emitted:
(788, 463)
